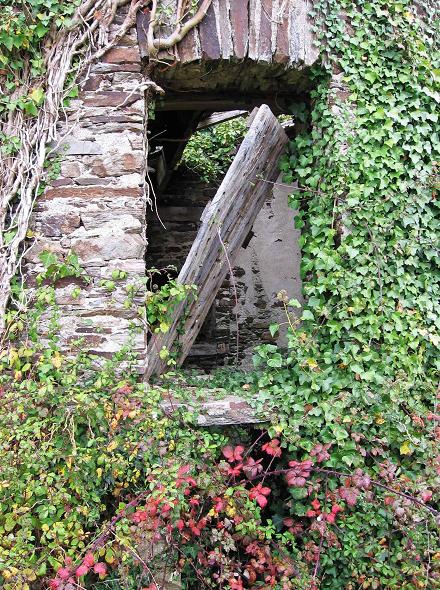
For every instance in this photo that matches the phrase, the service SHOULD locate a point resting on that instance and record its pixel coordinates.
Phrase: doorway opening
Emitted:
(189, 153)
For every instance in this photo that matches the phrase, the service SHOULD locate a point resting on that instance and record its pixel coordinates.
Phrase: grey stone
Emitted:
(108, 247)
(79, 148)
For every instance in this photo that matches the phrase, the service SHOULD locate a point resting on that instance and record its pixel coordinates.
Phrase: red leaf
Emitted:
(426, 495)
(233, 454)
(180, 524)
(252, 468)
(89, 560)
(349, 495)
(330, 517)
(259, 493)
(320, 452)
(219, 504)
(82, 570)
(166, 508)
(235, 584)
(183, 470)
(63, 573)
(139, 516)
(261, 501)
(100, 568)
(235, 471)
(272, 448)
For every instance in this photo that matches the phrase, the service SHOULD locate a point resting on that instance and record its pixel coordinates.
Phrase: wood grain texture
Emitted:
(216, 118)
(209, 37)
(239, 14)
(265, 38)
(215, 412)
(226, 222)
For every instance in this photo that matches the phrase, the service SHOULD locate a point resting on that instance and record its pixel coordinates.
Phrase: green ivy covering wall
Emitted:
(350, 462)
(362, 370)
(369, 211)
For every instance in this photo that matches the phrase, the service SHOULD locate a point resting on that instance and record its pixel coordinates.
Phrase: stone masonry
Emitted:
(96, 206)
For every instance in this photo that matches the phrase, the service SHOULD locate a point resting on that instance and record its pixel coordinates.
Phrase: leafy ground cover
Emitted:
(99, 488)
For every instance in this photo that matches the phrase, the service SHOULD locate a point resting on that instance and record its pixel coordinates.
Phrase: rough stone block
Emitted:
(117, 99)
(90, 192)
(70, 169)
(108, 247)
(53, 225)
(42, 245)
(106, 68)
(78, 148)
(92, 83)
(122, 55)
(116, 166)
(101, 220)
(87, 181)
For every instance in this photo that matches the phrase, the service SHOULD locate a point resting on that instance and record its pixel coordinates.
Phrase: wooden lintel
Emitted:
(219, 102)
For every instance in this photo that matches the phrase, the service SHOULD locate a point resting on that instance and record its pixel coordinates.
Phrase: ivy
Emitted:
(24, 28)
(340, 491)
(210, 151)
(363, 364)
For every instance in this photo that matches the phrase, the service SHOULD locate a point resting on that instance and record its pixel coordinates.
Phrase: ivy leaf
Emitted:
(273, 329)
(40, 30)
(37, 95)
(307, 315)
(405, 449)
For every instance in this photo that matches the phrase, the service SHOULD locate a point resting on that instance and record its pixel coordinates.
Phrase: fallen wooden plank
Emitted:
(216, 118)
(226, 222)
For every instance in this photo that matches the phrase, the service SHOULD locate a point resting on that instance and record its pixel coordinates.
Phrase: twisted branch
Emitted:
(68, 56)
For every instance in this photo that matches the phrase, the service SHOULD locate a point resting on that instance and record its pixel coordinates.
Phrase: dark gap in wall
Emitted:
(181, 197)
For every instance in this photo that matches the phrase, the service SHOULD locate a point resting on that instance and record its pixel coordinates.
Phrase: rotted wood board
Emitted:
(226, 222)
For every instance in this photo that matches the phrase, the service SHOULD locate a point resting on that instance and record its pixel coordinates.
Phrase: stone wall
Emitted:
(269, 263)
(96, 206)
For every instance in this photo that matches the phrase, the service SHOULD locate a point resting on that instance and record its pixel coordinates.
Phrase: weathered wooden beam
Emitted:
(216, 118)
(226, 222)
(227, 411)
(190, 101)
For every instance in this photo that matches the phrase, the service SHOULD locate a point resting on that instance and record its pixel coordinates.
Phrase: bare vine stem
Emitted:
(70, 54)
(234, 286)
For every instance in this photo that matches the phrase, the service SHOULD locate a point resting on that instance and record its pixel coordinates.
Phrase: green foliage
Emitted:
(9, 144)
(75, 443)
(24, 26)
(161, 302)
(359, 379)
(56, 269)
(210, 151)
(362, 369)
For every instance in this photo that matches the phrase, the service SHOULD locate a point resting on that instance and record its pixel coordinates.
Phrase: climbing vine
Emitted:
(45, 46)
(101, 486)
(362, 373)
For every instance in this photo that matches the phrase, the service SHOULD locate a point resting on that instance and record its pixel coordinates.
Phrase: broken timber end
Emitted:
(228, 411)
